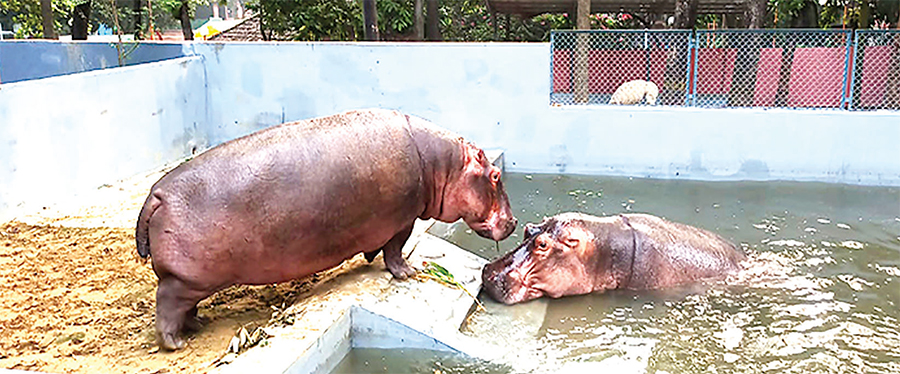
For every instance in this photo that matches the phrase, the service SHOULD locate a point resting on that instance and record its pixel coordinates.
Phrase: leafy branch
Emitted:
(440, 274)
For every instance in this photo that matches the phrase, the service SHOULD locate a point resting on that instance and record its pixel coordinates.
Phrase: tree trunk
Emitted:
(685, 14)
(756, 14)
(432, 21)
(419, 21)
(136, 28)
(865, 14)
(185, 16)
(80, 17)
(47, 20)
(370, 18)
(743, 83)
(582, 22)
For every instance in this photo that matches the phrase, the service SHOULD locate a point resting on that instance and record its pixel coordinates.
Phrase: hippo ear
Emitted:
(575, 238)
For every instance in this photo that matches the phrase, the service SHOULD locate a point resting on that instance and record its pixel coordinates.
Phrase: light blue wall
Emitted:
(72, 133)
(22, 60)
(116, 122)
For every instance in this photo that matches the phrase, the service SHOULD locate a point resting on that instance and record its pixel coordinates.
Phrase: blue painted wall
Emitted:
(22, 60)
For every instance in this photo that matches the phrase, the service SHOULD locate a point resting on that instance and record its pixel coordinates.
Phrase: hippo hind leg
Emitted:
(370, 256)
(176, 304)
(393, 255)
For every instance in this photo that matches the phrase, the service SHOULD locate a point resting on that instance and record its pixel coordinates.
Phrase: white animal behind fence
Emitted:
(633, 92)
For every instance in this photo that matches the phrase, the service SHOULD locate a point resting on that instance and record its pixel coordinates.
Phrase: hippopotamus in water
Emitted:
(574, 254)
(302, 197)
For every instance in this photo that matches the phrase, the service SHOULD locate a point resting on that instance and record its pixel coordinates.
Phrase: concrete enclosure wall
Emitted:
(497, 95)
(72, 133)
(35, 59)
(125, 120)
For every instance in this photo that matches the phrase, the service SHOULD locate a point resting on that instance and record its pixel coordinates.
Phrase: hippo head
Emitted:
(478, 197)
(552, 260)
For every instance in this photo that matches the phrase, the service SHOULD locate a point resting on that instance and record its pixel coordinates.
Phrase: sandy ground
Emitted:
(76, 298)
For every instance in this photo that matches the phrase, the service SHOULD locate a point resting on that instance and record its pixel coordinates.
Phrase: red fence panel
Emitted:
(873, 79)
(609, 68)
(768, 73)
(562, 71)
(817, 77)
(715, 68)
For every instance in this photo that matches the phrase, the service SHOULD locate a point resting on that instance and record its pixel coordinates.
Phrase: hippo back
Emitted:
(670, 254)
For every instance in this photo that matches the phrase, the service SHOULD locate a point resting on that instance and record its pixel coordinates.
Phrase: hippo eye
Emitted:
(495, 176)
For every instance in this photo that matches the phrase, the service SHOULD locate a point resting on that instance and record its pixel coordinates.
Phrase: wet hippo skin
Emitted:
(573, 254)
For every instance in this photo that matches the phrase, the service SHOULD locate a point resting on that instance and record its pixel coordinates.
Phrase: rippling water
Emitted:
(820, 290)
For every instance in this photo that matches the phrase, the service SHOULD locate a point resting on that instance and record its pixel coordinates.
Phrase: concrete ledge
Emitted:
(364, 307)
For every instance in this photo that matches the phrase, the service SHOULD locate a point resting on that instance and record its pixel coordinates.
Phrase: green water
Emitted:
(412, 361)
(819, 294)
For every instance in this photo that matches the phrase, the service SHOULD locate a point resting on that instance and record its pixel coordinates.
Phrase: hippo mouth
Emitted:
(504, 281)
(494, 229)
(507, 294)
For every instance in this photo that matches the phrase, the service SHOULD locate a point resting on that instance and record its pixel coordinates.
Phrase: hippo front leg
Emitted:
(393, 255)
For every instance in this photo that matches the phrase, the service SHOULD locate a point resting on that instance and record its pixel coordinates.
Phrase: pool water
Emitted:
(819, 294)
(412, 361)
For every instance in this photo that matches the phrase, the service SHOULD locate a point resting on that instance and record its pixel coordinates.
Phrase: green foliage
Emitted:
(847, 12)
(395, 18)
(173, 7)
(27, 13)
(310, 19)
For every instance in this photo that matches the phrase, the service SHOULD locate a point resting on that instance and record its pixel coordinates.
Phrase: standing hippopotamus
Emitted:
(574, 254)
(302, 197)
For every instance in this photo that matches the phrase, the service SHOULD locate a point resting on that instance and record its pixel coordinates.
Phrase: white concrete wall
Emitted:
(497, 95)
(72, 133)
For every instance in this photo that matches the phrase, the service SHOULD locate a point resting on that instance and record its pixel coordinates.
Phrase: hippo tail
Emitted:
(142, 232)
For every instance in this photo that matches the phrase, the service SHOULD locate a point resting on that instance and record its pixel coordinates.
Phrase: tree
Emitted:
(81, 15)
(47, 19)
(432, 21)
(309, 19)
(370, 16)
(685, 13)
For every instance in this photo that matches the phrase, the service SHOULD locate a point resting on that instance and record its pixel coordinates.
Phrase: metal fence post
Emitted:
(552, 69)
(847, 97)
(691, 98)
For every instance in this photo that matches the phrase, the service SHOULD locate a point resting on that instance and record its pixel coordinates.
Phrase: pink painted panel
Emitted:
(767, 75)
(562, 71)
(873, 80)
(610, 68)
(715, 68)
(816, 77)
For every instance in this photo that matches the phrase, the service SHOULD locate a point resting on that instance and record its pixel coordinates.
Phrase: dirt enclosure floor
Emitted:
(76, 298)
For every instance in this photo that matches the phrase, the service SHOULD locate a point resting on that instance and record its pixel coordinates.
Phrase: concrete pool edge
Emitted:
(428, 314)
(383, 313)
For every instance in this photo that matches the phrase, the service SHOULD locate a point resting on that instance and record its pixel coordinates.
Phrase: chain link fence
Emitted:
(772, 68)
(728, 68)
(589, 66)
(876, 70)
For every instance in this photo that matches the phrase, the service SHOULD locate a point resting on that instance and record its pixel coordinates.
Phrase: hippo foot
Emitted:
(193, 324)
(170, 342)
(401, 270)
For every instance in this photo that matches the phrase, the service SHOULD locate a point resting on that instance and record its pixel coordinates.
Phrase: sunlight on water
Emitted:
(819, 292)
